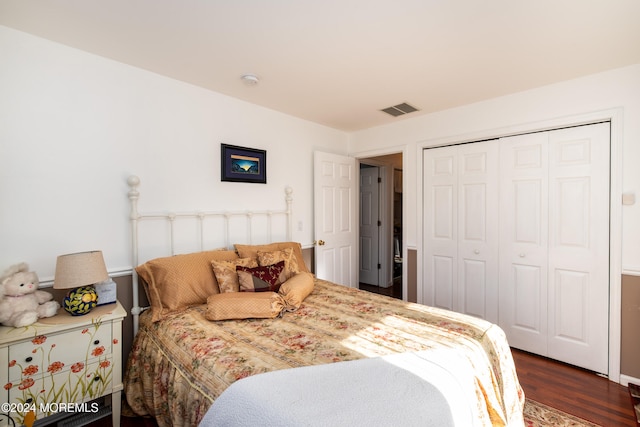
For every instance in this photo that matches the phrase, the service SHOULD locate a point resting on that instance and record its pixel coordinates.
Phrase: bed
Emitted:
(309, 352)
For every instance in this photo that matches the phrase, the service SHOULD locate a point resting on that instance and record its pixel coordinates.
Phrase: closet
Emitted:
(461, 229)
(516, 231)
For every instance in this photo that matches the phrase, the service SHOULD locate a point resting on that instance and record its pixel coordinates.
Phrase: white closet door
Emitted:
(579, 246)
(440, 227)
(554, 268)
(524, 240)
(478, 230)
(461, 229)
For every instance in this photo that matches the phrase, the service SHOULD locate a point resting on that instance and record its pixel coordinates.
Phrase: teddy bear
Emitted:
(21, 302)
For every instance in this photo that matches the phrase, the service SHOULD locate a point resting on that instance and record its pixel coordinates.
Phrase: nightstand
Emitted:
(61, 364)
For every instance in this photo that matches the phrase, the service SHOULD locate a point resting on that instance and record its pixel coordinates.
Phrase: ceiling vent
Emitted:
(400, 109)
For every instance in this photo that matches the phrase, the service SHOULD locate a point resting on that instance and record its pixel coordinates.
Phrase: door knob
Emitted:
(319, 242)
(476, 252)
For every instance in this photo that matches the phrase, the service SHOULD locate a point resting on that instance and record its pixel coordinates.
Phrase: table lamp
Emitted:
(78, 272)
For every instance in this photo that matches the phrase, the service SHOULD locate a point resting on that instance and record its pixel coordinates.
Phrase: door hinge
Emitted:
(379, 179)
(379, 223)
(379, 266)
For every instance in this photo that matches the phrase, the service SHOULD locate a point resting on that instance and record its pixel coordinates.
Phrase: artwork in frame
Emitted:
(241, 164)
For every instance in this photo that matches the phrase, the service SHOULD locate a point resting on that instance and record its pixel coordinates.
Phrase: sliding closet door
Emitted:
(579, 246)
(554, 267)
(461, 229)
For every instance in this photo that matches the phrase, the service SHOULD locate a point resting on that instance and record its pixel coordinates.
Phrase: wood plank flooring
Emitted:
(574, 390)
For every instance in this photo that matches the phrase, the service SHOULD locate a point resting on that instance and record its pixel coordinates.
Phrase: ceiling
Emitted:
(339, 62)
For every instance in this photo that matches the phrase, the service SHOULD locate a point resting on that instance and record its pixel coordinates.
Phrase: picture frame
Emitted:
(242, 164)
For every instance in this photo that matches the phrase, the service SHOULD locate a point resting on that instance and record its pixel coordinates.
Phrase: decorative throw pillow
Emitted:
(296, 289)
(261, 279)
(244, 305)
(290, 263)
(180, 281)
(251, 251)
(225, 272)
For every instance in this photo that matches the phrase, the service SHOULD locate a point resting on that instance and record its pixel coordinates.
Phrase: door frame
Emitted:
(615, 117)
(365, 157)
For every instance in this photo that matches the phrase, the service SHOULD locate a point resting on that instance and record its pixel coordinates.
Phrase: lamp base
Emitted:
(80, 301)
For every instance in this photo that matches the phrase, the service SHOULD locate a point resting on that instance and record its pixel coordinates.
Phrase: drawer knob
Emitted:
(97, 378)
(28, 359)
(96, 342)
(29, 400)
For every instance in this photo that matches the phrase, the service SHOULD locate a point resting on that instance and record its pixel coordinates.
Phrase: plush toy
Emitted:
(21, 303)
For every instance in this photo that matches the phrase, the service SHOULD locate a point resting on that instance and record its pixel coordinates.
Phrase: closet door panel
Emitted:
(572, 292)
(523, 241)
(443, 274)
(478, 230)
(440, 227)
(579, 246)
(474, 300)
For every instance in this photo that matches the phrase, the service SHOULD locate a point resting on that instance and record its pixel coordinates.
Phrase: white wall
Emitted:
(74, 126)
(616, 89)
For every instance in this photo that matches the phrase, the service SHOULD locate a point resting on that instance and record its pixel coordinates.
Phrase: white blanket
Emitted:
(408, 389)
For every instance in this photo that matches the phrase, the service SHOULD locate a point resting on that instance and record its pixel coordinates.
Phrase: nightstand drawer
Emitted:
(82, 384)
(46, 354)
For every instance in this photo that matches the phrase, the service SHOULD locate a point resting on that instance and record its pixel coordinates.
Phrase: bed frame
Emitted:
(136, 217)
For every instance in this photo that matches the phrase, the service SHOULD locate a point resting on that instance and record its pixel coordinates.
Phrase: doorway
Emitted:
(380, 225)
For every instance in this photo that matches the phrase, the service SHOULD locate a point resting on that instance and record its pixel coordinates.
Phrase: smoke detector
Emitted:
(249, 79)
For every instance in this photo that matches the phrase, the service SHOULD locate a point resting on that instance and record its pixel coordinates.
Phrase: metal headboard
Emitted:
(136, 218)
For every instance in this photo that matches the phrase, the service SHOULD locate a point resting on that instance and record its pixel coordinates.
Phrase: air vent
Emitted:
(400, 109)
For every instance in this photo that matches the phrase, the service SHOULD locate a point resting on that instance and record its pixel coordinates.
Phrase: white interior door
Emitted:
(461, 229)
(440, 254)
(369, 226)
(478, 235)
(524, 171)
(579, 246)
(554, 277)
(335, 218)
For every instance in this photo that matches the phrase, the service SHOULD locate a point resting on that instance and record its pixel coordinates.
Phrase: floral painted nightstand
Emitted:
(61, 364)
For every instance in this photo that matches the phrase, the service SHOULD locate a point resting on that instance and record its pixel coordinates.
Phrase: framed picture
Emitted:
(241, 164)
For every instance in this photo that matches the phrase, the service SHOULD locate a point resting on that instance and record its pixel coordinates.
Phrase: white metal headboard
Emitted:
(136, 217)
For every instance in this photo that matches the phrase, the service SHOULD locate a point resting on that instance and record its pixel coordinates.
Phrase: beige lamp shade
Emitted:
(79, 269)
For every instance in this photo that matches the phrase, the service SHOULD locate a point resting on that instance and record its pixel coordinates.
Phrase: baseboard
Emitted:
(626, 379)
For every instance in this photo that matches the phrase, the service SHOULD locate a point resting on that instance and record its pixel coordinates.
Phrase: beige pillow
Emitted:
(296, 289)
(177, 282)
(251, 251)
(244, 305)
(290, 262)
(225, 272)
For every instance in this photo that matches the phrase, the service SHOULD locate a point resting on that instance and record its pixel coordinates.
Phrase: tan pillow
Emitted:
(290, 262)
(225, 272)
(296, 289)
(251, 251)
(244, 305)
(177, 282)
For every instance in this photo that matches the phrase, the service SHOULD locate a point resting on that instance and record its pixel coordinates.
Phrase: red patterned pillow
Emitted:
(261, 279)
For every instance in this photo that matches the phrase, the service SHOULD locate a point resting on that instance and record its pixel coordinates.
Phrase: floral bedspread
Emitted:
(178, 366)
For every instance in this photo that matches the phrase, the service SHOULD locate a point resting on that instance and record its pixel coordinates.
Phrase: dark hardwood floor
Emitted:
(394, 291)
(574, 390)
